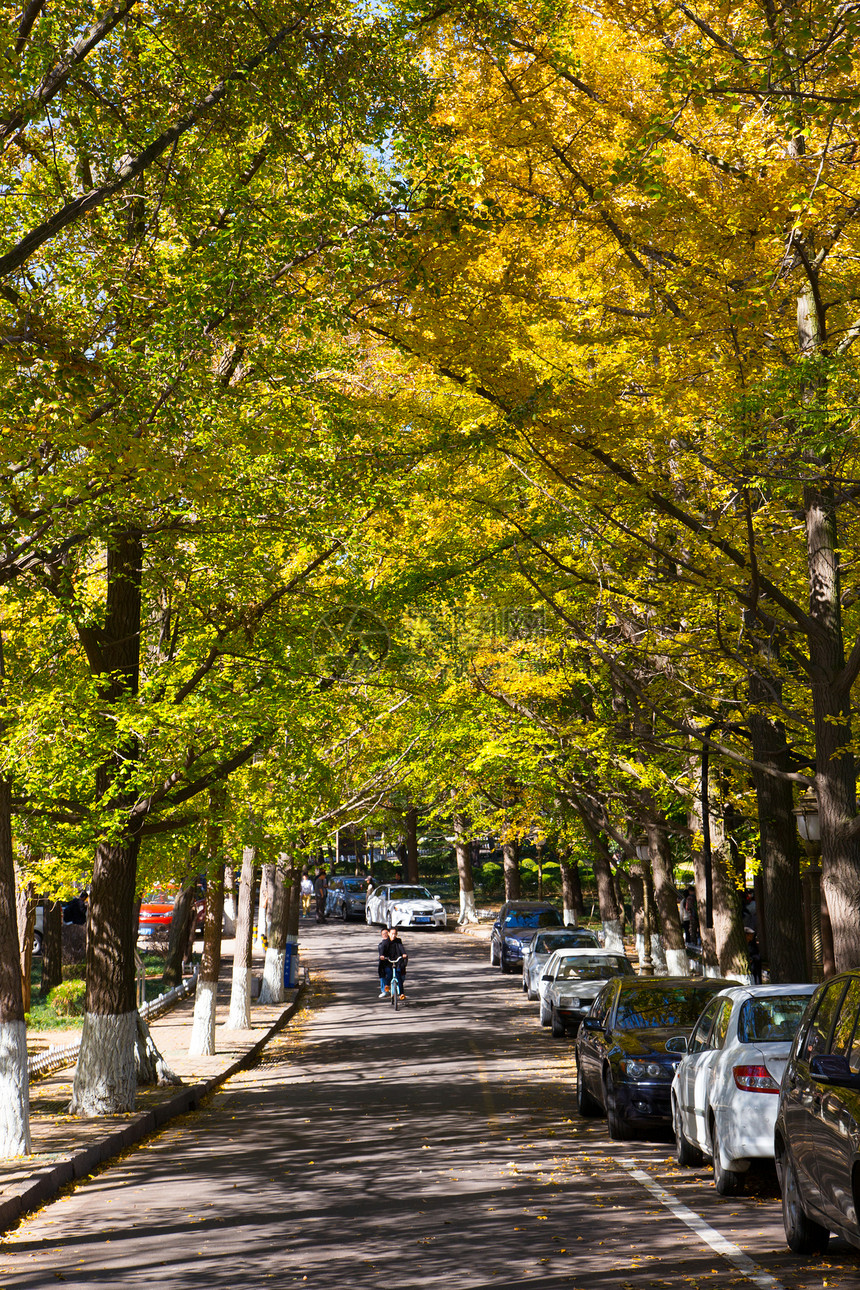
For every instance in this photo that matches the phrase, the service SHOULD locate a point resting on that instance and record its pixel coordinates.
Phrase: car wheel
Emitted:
(343, 911)
(728, 1182)
(525, 984)
(532, 994)
(585, 1103)
(685, 1153)
(545, 1013)
(494, 962)
(803, 1235)
(37, 942)
(618, 1125)
(558, 1027)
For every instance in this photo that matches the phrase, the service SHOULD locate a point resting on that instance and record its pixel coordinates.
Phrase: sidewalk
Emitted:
(66, 1147)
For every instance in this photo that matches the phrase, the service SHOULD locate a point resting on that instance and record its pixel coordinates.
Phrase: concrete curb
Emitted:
(47, 1180)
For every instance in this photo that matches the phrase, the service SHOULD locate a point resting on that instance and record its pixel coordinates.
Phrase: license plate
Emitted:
(419, 918)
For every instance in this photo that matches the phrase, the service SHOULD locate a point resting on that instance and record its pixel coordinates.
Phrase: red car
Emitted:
(156, 912)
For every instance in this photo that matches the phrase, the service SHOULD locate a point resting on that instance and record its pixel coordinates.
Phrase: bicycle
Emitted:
(396, 987)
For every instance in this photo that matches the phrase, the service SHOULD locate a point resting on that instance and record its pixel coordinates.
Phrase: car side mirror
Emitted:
(546, 977)
(831, 1068)
(496, 925)
(592, 1023)
(677, 1044)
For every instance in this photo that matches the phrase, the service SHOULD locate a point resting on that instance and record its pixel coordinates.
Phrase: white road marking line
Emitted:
(703, 1230)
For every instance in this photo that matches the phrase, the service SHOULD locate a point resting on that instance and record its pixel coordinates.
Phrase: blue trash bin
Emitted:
(291, 965)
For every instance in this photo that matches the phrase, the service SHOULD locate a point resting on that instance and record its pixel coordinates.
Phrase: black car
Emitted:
(346, 897)
(517, 923)
(817, 1133)
(630, 1044)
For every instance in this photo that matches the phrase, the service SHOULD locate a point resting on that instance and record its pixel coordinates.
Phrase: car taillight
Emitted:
(755, 1079)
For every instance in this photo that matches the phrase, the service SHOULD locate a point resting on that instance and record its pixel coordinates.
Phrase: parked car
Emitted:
(571, 981)
(724, 1094)
(543, 944)
(347, 897)
(817, 1134)
(156, 913)
(516, 926)
(397, 905)
(630, 1043)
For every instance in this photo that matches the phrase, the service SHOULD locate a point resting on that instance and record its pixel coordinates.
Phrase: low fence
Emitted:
(56, 1058)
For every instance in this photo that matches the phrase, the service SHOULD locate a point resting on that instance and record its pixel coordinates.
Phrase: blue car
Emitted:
(518, 922)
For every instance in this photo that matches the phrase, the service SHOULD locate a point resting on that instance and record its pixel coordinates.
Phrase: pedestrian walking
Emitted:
(307, 892)
(321, 893)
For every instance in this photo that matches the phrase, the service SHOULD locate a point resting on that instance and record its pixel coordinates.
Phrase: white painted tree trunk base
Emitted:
(202, 1041)
(612, 938)
(106, 1076)
(677, 963)
(745, 978)
(240, 1000)
(14, 1091)
(711, 969)
(658, 954)
(569, 917)
(272, 989)
(468, 913)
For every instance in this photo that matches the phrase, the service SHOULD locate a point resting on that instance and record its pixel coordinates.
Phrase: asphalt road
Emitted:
(434, 1147)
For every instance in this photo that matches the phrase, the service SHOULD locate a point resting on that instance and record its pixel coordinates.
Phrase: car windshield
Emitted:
(549, 941)
(771, 1021)
(596, 968)
(353, 884)
(533, 918)
(410, 893)
(667, 1006)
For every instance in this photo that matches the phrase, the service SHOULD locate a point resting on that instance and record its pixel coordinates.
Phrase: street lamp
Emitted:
(646, 967)
(809, 828)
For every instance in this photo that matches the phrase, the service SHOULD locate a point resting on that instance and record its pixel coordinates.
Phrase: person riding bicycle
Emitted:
(396, 951)
(390, 948)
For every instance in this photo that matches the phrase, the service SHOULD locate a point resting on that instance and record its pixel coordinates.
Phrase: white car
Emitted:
(541, 946)
(725, 1093)
(396, 905)
(570, 982)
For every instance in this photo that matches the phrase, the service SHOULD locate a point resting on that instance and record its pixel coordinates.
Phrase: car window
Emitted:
(699, 1037)
(721, 1025)
(654, 1005)
(410, 893)
(352, 884)
(846, 1021)
(533, 918)
(773, 1020)
(596, 968)
(602, 1005)
(546, 942)
(819, 1030)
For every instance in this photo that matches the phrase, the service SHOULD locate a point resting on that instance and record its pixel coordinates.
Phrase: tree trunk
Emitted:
(26, 919)
(105, 1079)
(511, 866)
(14, 1080)
(729, 934)
(202, 1041)
(294, 909)
(273, 969)
(52, 946)
(463, 853)
(229, 902)
(666, 899)
(835, 782)
(611, 910)
(782, 914)
(410, 821)
(571, 892)
(240, 991)
(183, 909)
(264, 910)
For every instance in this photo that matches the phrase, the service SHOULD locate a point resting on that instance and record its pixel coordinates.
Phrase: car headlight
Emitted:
(569, 1001)
(513, 942)
(648, 1070)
